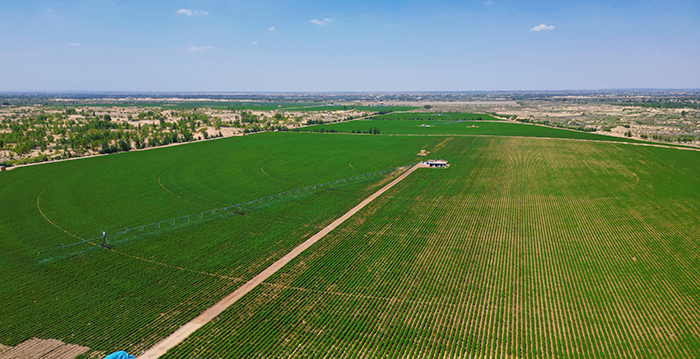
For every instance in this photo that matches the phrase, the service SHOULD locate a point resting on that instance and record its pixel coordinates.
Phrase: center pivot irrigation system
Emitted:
(223, 211)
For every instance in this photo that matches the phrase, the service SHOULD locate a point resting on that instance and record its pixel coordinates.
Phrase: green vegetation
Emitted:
(569, 126)
(323, 129)
(331, 107)
(669, 138)
(670, 104)
(38, 134)
(152, 282)
(523, 247)
(459, 127)
(423, 116)
(426, 124)
(70, 133)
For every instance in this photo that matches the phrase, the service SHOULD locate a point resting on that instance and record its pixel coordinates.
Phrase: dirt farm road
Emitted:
(188, 328)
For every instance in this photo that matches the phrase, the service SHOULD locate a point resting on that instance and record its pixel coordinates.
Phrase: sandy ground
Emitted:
(184, 331)
(42, 348)
(649, 121)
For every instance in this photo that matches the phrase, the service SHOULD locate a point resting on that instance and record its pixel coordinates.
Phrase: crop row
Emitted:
(223, 212)
(567, 255)
(136, 294)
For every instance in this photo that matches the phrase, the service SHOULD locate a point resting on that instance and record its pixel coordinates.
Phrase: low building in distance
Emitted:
(436, 163)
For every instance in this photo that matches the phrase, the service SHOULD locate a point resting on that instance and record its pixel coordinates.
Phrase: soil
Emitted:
(42, 349)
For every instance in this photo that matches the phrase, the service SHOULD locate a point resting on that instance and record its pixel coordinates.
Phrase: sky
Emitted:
(327, 46)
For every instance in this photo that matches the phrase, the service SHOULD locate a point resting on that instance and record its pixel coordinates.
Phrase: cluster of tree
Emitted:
(69, 136)
(371, 131)
(511, 117)
(248, 117)
(268, 127)
(279, 117)
(669, 104)
(576, 127)
(78, 131)
(434, 119)
(39, 131)
(37, 159)
(667, 138)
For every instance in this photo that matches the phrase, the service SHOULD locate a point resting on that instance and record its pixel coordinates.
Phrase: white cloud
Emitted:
(190, 12)
(541, 27)
(488, 2)
(49, 10)
(255, 42)
(272, 28)
(74, 44)
(199, 48)
(321, 22)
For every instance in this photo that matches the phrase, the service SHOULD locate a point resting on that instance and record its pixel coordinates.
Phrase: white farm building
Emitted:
(436, 163)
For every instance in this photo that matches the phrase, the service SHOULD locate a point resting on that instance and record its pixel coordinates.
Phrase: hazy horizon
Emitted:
(176, 92)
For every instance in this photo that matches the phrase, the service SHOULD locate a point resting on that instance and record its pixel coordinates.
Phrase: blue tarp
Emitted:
(120, 355)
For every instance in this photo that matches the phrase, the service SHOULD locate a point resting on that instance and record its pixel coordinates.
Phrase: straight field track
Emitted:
(190, 327)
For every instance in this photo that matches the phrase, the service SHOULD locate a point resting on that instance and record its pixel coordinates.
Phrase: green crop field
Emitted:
(322, 107)
(460, 127)
(439, 116)
(154, 281)
(467, 124)
(524, 247)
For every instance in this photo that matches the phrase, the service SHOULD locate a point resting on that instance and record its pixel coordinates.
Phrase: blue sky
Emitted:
(248, 46)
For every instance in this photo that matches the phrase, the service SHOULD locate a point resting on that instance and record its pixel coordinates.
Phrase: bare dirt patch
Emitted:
(42, 348)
